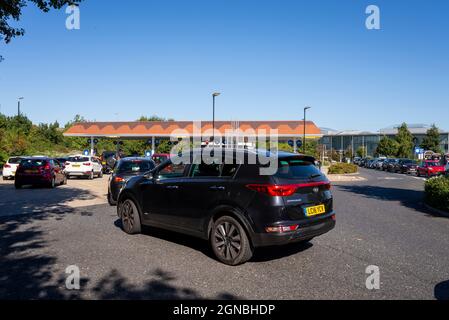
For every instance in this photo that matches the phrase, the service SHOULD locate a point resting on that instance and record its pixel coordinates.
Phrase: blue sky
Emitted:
(269, 58)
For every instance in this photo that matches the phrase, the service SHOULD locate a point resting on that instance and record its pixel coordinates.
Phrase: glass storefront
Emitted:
(345, 143)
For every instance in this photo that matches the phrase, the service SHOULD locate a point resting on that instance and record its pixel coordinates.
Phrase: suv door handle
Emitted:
(217, 188)
(172, 187)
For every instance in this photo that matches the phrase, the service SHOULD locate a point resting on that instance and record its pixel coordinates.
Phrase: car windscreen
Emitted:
(135, 166)
(297, 169)
(433, 164)
(78, 159)
(108, 154)
(14, 160)
(159, 159)
(29, 163)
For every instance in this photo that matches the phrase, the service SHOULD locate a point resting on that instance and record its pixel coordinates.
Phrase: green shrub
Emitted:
(437, 193)
(343, 168)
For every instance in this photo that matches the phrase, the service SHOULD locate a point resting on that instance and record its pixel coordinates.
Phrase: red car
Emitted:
(158, 158)
(40, 171)
(430, 168)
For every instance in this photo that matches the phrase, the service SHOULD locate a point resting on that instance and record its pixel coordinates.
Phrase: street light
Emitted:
(215, 94)
(304, 140)
(18, 106)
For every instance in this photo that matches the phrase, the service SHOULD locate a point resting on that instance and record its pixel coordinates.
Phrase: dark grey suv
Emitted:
(232, 206)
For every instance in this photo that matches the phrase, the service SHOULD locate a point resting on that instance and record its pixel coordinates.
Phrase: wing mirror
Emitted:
(150, 175)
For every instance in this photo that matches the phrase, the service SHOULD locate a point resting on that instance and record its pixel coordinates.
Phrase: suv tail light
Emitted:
(273, 190)
(285, 190)
(45, 167)
(7, 166)
(86, 164)
(119, 179)
(281, 229)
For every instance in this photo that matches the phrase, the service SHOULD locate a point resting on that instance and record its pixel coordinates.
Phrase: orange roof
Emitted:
(167, 128)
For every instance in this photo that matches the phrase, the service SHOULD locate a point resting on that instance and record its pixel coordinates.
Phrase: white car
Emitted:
(83, 166)
(10, 168)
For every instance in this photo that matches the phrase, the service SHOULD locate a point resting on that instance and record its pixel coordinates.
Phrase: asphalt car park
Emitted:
(381, 221)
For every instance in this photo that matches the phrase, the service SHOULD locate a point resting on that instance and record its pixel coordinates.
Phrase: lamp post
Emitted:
(18, 120)
(304, 140)
(214, 95)
(18, 106)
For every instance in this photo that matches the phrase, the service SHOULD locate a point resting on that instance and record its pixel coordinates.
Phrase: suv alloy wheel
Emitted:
(229, 241)
(130, 217)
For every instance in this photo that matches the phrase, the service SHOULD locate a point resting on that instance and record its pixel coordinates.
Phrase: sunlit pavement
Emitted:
(380, 221)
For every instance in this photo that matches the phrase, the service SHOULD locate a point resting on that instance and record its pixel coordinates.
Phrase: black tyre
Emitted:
(100, 175)
(5, 178)
(91, 176)
(52, 184)
(64, 181)
(110, 200)
(18, 185)
(130, 217)
(230, 242)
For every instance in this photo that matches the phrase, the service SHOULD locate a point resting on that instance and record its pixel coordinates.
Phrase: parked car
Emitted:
(386, 164)
(430, 168)
(108, 160)
(379, 164)
(357, 160)
(10, 168)
(232, 206)
(83, 166)
(158, 158)
(62, 161)
(392, 165)
(125, 169)
(406, 166)
(39, 171)
(370, 163)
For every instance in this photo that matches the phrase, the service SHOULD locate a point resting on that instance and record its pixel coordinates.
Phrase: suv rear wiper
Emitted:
(316, 175)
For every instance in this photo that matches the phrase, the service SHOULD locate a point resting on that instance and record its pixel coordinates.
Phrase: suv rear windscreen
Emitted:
(297, 169)
(134, 166)
(29, 163)
(78, 159)
(14, 160)
(107, 154)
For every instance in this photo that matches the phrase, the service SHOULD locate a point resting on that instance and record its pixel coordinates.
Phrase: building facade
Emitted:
(353, 140)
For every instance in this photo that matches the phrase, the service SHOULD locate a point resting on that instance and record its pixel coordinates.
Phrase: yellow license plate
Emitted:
(31, 171)
(76, 165)
(314, 211)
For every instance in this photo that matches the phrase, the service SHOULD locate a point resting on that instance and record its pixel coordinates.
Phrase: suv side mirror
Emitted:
(149, 175)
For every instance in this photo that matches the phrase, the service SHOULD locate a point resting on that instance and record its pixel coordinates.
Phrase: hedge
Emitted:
(343, 168)
(437, 193)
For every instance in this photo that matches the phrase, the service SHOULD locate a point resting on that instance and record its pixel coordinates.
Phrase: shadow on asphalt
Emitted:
(26, 274)
(28, 269)
(441, 291)
(115, 286)
(260, 255)
(411, 199)
(38, 200)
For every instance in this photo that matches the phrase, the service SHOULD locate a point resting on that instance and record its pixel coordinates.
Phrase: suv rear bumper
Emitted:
(304, 232)
(78, 173)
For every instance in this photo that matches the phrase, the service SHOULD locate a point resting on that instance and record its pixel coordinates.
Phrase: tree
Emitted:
(387, 147)
(361, 151)
(405, 142)
(153, 118)
(432, 140)
(349, 153)
(11, 10)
